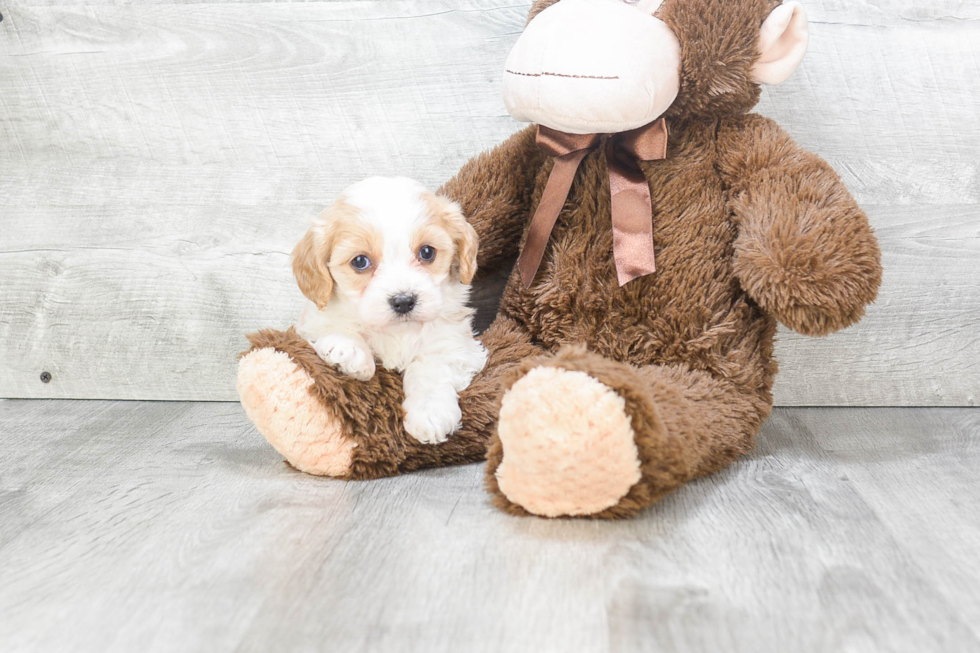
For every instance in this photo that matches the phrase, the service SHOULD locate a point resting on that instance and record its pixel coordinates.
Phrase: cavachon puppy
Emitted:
(386, 271)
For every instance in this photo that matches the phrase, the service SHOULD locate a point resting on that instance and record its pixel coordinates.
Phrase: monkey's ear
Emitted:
(782, 44)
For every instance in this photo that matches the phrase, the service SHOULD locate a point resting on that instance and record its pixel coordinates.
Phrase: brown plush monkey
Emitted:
(617, 370)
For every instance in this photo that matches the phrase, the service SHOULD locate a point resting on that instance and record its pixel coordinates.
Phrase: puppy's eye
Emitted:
(360, 263)
(427, 253)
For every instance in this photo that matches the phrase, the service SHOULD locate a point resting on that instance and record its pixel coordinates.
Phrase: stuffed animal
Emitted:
(662, 232)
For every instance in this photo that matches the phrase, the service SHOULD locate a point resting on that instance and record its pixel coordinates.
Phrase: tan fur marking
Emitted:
(466, 243)
(354, 238)
(309, 267)
(434, 234)
(337, 231)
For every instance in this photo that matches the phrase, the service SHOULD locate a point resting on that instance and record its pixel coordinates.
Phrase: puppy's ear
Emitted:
(310, 266)
(464, 238)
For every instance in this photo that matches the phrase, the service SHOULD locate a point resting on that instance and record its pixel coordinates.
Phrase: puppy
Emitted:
(386, 271)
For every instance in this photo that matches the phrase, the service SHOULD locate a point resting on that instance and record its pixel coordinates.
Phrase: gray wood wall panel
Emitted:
(159, 160)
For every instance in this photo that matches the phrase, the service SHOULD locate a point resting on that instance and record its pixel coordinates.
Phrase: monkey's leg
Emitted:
(581, 435)
(328, 424)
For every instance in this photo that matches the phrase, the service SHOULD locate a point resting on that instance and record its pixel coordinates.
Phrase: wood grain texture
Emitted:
(158, 161)
(131, 526)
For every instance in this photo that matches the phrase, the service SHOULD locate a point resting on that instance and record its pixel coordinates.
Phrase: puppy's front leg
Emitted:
(349, 353)
(431, 404)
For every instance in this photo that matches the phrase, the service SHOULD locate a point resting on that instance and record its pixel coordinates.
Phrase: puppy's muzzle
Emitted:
(403, 303)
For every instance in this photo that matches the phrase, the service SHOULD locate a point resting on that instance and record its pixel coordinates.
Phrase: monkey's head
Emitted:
(605, 66)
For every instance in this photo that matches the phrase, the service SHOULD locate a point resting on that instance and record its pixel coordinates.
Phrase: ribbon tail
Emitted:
(632, 224)
(552, 200)
(632, 217)
(632, 220)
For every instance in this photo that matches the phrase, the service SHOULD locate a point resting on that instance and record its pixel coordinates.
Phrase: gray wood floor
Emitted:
(173, 527)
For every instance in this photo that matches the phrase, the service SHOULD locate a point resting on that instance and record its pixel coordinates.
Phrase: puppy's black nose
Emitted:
(403, 303)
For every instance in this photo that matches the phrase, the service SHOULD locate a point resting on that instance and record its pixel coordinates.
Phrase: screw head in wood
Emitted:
(45, 377)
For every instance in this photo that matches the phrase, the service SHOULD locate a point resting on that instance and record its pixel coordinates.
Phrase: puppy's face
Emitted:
(387, 247)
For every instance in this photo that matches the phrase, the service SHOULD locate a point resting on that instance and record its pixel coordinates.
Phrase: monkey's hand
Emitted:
(805, 251)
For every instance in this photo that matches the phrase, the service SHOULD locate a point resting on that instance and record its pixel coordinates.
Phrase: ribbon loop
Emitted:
(555, 143)
(632, 220)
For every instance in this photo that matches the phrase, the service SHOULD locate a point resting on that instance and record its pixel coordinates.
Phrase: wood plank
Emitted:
(192, 142)
(171, 526)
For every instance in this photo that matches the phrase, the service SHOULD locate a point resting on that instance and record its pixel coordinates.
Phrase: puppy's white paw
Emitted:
(431, 421)
(351, 358)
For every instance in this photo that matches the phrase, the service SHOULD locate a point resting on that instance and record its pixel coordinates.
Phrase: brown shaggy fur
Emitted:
(748, 229)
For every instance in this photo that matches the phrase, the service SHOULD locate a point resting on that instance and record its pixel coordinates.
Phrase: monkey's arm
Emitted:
(494, 188)
(805, 251)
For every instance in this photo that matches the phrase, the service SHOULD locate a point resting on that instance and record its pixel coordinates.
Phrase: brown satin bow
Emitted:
(632, 219)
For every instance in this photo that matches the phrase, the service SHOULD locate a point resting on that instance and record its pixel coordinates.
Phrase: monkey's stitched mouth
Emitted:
(547, 74)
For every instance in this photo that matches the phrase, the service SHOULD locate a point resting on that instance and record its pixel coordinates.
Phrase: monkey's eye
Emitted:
(427, 253)
(360, 263)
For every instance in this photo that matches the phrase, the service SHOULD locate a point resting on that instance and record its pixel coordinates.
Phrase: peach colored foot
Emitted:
(568, 444)
(275, 393)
